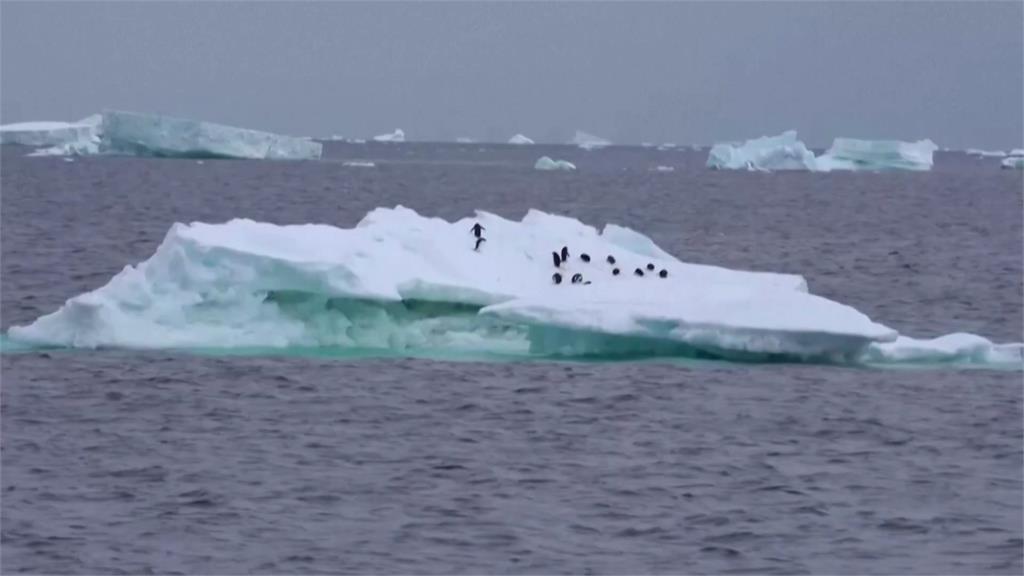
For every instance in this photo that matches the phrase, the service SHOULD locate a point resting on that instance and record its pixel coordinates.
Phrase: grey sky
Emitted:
(681, 72)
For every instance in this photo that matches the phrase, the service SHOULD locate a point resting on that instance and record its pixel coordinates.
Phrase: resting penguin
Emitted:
(611, 259)
(479, 241)
(615, 271)
(557, 260)
(650, 266)
(638, 272)
(565, 253)
(557, 278)
(585, 257)
(663, 273)
(577, 278)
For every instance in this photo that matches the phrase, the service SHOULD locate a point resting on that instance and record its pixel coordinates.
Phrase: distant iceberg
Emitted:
(546, 163)
(358, 164)
(1013, 162)
(854, 154)
(786, 152)
(985, 153)
(1016, 152)
(589, 141)
(40, 134)
(519, 139)
(397, 136)
(464, 140)
(134, 134)
(782, 152)
(667, 146)
(663, 169)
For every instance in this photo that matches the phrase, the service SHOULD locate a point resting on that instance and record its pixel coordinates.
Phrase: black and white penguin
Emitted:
(638, 272)
(663, 273)
(565, 253)
(479, 240)
(611, 259)
(615, 271)
(577, 278)
(557, 278)
(477, 229)
(585, 257)
(650, 266)
(556, 259)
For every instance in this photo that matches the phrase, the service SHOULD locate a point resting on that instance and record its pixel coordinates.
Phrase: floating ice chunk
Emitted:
(358, 164)
(397, 136)
(519, 139)
(1013, 162)
(647, 144)
(546, 163)
(954, 348)
(664, 169)
(589, 141)
(43, 134)
(853, 154)
(782, 152)
(985, 153)
(135, 134)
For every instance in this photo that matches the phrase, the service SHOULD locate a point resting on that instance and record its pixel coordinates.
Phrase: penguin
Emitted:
(611, 259)
(557, 260)
(638, 272)
(615, 271)
(587, 282)
(577, 278)
(479, 240)
(663, 273)
(650, 267)
(585, 257)
(477, 229)
(557, 278)
(565, 253)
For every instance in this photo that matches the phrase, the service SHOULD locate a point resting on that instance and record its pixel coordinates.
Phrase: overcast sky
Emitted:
(684, 72)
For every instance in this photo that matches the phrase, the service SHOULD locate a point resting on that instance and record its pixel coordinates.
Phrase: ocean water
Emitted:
(123, 462)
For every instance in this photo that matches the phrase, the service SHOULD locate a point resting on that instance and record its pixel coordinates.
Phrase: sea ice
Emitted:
(589, 141)
(519, 139)
(782, 152)
(397, 136)
(402, 281)
(546, 163)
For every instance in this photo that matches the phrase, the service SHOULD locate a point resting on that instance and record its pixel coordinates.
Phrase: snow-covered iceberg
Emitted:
(782, 152)
(1013, 162)
(854, 154)
(397, 136)
(546, 163)
(42, 134)
(519, 139)
(400, 281)
(589, 141)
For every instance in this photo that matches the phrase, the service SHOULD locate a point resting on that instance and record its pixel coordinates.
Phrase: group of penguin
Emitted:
(560, 257)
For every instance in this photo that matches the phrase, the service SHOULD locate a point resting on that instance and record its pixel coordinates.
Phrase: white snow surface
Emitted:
(782, 152)
(589, 141)
(546, 163)
(519, 139)
(402, 281)
(397, 136)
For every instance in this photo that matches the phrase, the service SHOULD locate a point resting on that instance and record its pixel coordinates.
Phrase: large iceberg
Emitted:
(1013, 162)
(135, 134)
(786, 152)
(546, 163)
(40, 134)
(397, 136)
(589, 141)
(400, 281)
(782, 152)
(519, 139)
(854, 154)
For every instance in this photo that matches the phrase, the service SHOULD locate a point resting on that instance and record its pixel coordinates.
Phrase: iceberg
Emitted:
(853, 154)
(397, 136)
(1013, 162)
(464, 140)
(49, 134)
(663, 169)
(589, 141)
(546, 163)
(985, 153)
(782, 152)
(402, 282)
(519, 139)
(358, 164)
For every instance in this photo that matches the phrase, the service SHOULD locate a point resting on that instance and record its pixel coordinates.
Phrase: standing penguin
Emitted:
(565, 253)
(556, 278)
(556, 259)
